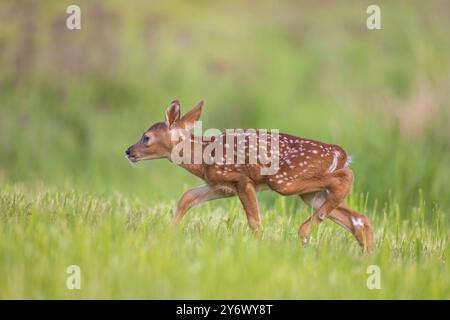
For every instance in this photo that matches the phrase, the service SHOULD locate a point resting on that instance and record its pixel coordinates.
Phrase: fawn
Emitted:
(315, 171)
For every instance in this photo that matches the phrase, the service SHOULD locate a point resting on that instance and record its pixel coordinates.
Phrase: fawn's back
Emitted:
(299, 159)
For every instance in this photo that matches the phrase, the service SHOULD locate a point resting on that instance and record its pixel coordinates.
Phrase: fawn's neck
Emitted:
(192, 145)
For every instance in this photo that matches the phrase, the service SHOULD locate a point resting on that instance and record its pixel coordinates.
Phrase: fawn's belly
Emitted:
(229, 189)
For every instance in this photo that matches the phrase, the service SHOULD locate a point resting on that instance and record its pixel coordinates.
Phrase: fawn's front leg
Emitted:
(196, 196)
(247, 194)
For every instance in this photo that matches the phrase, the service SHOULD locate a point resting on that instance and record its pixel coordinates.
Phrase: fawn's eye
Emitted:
(145, 139)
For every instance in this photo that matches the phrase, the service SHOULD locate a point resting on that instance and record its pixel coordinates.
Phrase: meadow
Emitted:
(72, 101)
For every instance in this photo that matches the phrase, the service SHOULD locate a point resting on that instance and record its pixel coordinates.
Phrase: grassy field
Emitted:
(71, 102)
(125, 249)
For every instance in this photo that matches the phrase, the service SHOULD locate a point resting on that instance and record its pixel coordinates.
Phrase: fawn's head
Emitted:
(158, 141)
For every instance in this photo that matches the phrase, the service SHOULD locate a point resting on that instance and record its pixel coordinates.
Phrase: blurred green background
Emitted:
(71, 101)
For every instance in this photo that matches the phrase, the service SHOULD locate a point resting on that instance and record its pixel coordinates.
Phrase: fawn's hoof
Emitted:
(305, 240)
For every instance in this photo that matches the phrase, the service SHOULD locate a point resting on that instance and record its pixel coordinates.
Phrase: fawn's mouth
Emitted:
(131, 159)
(134, 159)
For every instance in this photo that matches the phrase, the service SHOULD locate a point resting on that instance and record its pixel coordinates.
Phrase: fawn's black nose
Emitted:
(127, 152)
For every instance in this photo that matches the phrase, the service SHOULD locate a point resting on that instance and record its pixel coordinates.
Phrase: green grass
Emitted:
(125, 249)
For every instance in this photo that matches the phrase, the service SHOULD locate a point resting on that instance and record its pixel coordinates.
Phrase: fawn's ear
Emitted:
(188, 120)
(172, 113)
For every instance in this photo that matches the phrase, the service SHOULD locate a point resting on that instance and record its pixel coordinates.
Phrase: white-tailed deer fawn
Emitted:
(315, 171)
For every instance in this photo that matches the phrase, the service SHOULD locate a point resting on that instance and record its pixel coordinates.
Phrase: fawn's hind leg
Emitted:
(335, 187)
(358, 224)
